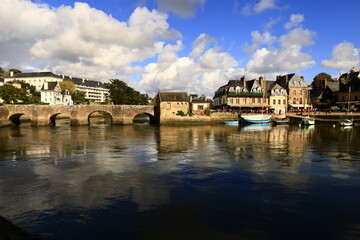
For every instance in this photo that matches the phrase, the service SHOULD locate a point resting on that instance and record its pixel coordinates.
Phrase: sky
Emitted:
(180, 45)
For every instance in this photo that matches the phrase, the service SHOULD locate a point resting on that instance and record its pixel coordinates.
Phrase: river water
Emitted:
(185, 182)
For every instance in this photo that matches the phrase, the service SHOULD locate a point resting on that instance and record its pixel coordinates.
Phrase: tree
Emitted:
(11, 94)
(67, 85)
(78, 97)
(320, 80)
(121, 93)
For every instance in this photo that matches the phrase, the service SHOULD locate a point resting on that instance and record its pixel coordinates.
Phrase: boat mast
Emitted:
(349, 99)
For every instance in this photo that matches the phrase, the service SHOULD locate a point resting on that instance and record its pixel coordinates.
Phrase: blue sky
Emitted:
(172, 45)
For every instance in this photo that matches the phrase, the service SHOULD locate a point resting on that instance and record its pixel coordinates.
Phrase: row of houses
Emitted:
(288, 92)
(47, 83)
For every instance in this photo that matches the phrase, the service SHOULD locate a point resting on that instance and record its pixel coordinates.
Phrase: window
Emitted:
(245, 100)
(274, 101)
(237, 100)
(259, 100)
(231, 100)
(168, 106)
(301, 101)
(279, 102)
(300, 92)
(294, 100)
(201, 107)
(284, 102)
(294, 92)
(253, 100)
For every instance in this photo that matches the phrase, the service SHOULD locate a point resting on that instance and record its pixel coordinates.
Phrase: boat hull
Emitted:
(255, 119)
(308, 121)
(232, 123)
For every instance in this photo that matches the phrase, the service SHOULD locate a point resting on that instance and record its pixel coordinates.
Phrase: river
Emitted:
(181, 182)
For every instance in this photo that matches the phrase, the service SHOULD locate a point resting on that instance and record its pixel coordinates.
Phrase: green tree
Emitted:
(67, 85)
(121, 93)
(320, 79)
(78, 97)
(11, 94)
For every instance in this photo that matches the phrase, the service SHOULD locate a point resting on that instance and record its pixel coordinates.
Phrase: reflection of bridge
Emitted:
(78, 114)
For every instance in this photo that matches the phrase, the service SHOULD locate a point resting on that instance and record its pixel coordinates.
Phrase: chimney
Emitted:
(243, 81)
(11, 73)
(83, 80)
(261, 80)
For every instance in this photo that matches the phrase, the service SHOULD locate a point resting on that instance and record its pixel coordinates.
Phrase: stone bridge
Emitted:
(78, 114)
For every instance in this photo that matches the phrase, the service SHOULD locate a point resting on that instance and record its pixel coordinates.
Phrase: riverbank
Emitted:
(214, 118)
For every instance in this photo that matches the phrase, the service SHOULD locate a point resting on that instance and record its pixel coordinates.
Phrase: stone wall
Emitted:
(214, 118)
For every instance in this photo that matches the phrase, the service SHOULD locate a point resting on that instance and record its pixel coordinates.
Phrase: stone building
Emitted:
(297, 90)
(170, 104)
(198, 105)
(242, 94)
(51, 93)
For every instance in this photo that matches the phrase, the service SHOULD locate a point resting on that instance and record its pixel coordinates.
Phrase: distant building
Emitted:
(51, 93)
(242, 94)
(94, 91)
(169, 104)
(198, 106)
(297, 89)
(278, 98)
(349, 87)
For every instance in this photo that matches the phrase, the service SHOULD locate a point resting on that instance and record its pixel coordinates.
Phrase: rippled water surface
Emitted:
(196, 182)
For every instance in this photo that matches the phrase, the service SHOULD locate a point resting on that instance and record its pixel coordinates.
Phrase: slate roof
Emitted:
(51, 86)
(333, 86)
(173, 97)
(35, 74)
(199, 100)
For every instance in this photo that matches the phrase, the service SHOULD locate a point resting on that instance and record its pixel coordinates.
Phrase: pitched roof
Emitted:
(51, 86)
(35, 74)
(173, 97)
(333, 86)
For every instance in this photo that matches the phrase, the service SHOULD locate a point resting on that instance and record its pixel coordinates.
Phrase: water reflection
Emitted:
(62, 170)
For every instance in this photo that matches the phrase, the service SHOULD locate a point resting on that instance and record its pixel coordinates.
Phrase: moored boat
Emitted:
(281, 121)
(345, 121)
(308, 120)
(232, 123)
(255, 119)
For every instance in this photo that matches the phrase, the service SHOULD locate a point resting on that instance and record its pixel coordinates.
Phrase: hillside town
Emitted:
(289, 92)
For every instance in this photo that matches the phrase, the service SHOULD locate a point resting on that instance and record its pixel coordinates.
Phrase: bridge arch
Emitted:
(15, 118)
(144, 117)
(100, 113)
(53, 117)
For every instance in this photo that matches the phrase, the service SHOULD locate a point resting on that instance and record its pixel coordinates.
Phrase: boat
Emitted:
(232, 123)
(281, 121)
(345, 121)
(308, 120)
(255, 119)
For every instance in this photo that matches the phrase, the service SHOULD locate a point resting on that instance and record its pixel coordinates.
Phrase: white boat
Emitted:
(232, 123)
(345, 121)
(308, 121)
(255, 118)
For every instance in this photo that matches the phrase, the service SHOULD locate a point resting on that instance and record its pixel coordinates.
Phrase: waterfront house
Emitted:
(51, 93)
(297, 90)
(243, 94)
(277, 98)
(349, 88)
(170, 104)
(198, 105)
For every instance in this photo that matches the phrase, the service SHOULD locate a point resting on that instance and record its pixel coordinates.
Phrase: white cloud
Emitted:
(80, 40)
(295, 21)
(344, 56)
(259, 40)
(202, 72)
(184, 8)
(261, 6)
(288, 57)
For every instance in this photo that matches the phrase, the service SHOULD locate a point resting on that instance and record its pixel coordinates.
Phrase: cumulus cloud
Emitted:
(259, 40)
(261, 6)
(204, 70)
(81, 40)
(184, 8)
(295, 21)
(344, 56)
(287, 57)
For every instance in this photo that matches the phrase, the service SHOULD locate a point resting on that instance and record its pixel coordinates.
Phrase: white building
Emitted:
(51, 93)
(94, 91)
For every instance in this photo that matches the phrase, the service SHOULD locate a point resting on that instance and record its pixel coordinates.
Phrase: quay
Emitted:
(325, 117)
